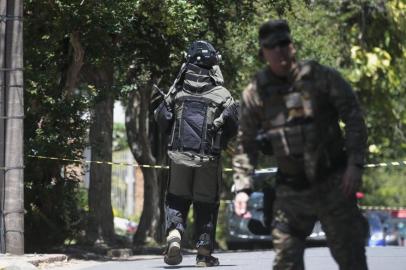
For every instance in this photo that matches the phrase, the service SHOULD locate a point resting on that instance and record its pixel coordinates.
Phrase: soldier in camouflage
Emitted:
(293, 110)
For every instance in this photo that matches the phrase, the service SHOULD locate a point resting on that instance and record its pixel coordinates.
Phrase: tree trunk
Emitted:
(14, 175)
(159, 148)
(101, 139)
(138, 134)
(76, 64)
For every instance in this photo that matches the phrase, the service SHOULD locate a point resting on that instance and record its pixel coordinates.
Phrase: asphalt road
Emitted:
(379, 258)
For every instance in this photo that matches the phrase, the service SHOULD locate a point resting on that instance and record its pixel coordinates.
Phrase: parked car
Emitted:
(395, 231)
(376, 230)
(245, 232)
(251, 230)
(387, 228)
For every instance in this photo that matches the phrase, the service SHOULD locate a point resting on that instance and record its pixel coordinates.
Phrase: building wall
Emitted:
(139, 191)
(127, 191)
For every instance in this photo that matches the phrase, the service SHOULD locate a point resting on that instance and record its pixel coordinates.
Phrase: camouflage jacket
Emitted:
(333, 101)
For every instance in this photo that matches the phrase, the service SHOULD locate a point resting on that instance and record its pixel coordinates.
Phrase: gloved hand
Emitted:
(232, 111)
(240, 204)
(352, 179)
(163, 116)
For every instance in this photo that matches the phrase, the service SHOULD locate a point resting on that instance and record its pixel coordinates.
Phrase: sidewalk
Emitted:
(73, 260)
(28, 261)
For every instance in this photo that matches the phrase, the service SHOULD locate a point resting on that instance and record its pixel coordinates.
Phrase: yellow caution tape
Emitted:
(265, 170)
(386, 164)
(363, 207)
(101, 162)
(380, 208)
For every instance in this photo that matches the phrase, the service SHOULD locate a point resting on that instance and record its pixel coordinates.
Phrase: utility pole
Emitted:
(3, 15)
(13, 208)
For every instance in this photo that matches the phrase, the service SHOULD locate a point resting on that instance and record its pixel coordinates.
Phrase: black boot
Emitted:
(206, 219)
(204, 245)
(206, 261)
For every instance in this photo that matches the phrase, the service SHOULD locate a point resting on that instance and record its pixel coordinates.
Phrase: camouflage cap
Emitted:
(273, 32)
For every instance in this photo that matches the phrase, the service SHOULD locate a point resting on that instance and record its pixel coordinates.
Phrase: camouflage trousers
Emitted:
(295, 213)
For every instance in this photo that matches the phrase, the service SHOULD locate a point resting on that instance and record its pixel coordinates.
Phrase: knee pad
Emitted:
(177, 209)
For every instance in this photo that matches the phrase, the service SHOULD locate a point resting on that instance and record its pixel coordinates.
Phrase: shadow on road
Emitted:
(190, 266)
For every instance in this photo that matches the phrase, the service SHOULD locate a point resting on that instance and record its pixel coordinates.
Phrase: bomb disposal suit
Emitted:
(296, 119)
(202, 116)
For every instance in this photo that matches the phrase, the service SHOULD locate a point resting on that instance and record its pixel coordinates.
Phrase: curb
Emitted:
(49, 259)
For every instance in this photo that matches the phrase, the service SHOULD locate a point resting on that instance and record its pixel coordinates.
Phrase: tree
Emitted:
(54, 125)
(81, 55)
(101, 143)
(376, 66)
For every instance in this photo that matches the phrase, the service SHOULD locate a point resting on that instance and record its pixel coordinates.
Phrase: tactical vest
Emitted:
(293, 122)
(196, 107)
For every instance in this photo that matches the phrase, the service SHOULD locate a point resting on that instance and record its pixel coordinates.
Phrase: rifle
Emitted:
(159, 90)
(178, 77)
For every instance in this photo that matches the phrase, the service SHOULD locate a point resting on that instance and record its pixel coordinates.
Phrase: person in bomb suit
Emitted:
(200, 116)
(292, 110)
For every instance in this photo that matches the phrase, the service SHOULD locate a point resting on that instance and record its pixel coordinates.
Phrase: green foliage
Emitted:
(375, 33)
(385, 186)
(365, 40)
(143, 40)
(56, 126)
(221, 229)
(189, 238)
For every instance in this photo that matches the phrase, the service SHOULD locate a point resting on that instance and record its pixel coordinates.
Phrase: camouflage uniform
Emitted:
(300, 117)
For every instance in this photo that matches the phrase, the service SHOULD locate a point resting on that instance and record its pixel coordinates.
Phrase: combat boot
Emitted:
(204, 245)
(204, 250)
(206, 261)
(173, 255)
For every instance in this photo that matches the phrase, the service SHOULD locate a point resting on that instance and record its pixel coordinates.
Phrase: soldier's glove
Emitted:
(352, 179)
(231, 112)
(163, 116)
(240, 204)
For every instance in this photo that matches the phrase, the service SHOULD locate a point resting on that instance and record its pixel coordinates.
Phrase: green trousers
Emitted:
(295, 213)
(201, 184)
